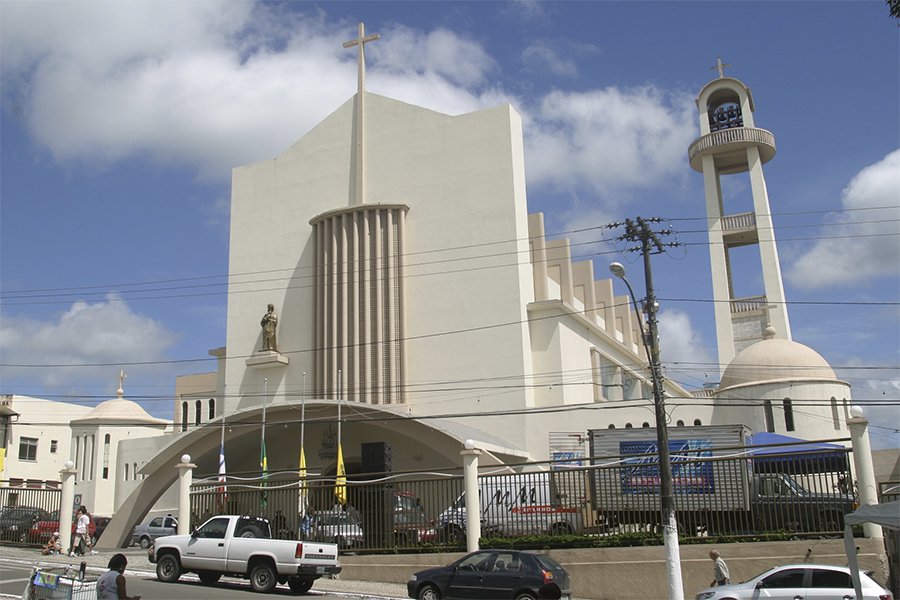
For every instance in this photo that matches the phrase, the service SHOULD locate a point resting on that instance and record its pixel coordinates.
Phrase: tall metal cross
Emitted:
(122, 377)
(720, 66)
(361, 40)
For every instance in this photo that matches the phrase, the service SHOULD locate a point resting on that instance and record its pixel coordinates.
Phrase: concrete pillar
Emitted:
(66, 504)
(473, 510)
(185, 477)
(862, 463)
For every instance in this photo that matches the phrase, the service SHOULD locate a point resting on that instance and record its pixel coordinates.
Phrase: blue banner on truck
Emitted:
(640, 474)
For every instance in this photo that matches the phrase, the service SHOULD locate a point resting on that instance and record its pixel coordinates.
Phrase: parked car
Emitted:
(145, 533)
(42, 530)
(338, 527)
(798, 581)
(16, 521)
(493, 575)
(100, 524)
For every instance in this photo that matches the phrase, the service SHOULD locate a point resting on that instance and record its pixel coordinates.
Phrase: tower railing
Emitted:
(741, 136)
(738, 222)
(742, 305)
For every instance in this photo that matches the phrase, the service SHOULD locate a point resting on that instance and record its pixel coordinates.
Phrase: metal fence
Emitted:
(22, 504)
(733, 495)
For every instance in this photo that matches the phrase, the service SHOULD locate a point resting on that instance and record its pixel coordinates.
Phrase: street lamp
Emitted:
(666, 492)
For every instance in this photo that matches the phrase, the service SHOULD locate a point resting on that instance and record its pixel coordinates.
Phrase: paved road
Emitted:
(17, 564)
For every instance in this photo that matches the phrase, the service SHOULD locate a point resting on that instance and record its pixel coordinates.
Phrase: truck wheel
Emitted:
(560, 529)
(251, 531)
(339, 541)
(168, 569)
(209, 577)
(145, 542)
(263, 578)
(429, 592)
(526, 596)
(300, 585)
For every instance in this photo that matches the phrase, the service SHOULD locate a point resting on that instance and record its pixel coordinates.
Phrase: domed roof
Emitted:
(119, 410)
(776, 360)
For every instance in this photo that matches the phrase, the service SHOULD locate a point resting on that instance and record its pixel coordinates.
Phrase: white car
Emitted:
(798, 582)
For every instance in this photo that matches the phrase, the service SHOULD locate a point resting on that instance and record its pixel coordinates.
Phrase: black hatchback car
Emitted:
(493, 575)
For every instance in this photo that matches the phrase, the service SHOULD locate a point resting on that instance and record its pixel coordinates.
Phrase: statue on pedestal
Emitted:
(268, 323)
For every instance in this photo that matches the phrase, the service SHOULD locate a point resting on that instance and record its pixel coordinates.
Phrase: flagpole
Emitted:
(263, 455)
(302, 465)
(222, 471)
(303, 412)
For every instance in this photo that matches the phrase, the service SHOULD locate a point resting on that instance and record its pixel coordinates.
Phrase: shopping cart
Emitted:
(59, 583)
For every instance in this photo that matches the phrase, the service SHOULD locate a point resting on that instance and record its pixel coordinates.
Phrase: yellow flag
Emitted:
(2, 459)
(302, 473)
(340, 482)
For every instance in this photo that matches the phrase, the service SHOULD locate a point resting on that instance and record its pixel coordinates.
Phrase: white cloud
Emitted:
(610, 139)
(873, 250)
(100, 333)
(682, 348)
(539, 56)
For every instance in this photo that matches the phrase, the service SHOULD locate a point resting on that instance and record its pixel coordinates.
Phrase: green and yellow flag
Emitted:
(264, 463)
(340, 482)
(302, 473)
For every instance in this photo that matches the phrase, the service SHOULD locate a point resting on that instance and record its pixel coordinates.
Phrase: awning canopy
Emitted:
(785, 454)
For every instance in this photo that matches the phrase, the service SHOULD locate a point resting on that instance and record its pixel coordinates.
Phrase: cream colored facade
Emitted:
(42, 427)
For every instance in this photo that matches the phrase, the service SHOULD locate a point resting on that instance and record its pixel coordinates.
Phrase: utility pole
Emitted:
(650, 244)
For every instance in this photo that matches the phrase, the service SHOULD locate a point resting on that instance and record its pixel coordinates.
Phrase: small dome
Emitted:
(119, 410)
(776, 360)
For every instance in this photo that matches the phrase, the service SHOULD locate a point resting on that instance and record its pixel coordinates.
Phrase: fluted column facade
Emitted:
(359, 303)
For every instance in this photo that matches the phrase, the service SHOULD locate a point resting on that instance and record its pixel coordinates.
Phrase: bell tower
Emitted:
(730, 144)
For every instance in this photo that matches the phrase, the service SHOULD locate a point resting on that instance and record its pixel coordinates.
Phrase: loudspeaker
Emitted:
(377, 457)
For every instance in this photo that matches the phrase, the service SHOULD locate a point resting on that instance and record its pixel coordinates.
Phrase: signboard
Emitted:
(640, 474)
(76, 503)
(566, 459)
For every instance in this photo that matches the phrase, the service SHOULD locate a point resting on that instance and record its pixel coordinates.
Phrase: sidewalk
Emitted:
(138, 564)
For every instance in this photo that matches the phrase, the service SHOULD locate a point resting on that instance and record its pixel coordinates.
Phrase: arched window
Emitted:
(126, 471)
(769, 416)
(134, 470)
(198, 405)
(627, 425)
(835, 414)
(697, 422)
(184, 416)
(106, 456)
(611, 426)
(679, 423)
(212, 409)
(788, 415)
(645, 424)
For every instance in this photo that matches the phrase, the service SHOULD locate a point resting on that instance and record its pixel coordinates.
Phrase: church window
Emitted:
(212, 409)
(679, 423)
(627, 425)
(198, 406)
(126, 471)
(697, 422)
(835, 414)
(28, 449)
(184, 416)
(106, 441)
(53, 446)
(770, 416)
(846, 410)
(788, 415)
(134, 472)
(611, 426)
(92, 469)
(646, 424)
(597, 375)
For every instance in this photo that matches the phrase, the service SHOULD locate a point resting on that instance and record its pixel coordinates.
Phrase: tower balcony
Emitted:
(739, 229)
(727, 147)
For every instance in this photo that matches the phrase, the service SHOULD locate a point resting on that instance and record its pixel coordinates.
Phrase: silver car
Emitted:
(338, 527)
(145, 533)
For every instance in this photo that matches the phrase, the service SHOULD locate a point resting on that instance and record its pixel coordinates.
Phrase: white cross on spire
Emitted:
(720, 66)
(361, 40)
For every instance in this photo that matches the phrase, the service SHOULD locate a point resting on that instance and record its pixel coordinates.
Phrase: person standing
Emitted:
(81, 532)
(720, 569)
(111, 585)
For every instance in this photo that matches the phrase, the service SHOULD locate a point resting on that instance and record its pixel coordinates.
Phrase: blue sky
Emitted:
(121, 123)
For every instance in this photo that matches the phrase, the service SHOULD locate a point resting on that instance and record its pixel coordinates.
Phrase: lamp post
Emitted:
(666, 495)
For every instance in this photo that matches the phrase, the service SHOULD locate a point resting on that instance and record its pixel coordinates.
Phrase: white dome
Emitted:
(776, 360)
(119, 410)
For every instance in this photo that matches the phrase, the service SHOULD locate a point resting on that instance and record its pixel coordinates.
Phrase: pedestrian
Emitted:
(720, 570)
(81, 532)
(111, 585)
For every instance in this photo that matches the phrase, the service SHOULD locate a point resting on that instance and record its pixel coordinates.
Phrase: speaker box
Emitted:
(377, 457)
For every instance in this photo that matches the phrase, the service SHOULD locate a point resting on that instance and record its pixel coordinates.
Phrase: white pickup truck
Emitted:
(242, 546)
